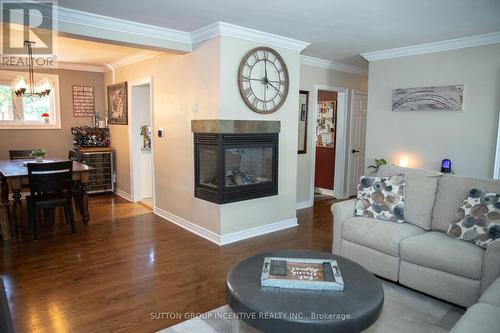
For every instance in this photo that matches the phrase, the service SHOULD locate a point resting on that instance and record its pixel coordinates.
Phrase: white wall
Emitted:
(252, 213)
(467, 137)
(310, 76)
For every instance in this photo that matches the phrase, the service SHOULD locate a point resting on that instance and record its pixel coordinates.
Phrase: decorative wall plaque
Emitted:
(444, 98)
(83, 101)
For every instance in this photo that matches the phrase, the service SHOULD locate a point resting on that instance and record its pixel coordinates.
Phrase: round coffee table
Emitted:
(354, 309)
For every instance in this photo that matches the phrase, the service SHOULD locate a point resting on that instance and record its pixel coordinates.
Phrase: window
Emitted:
(26, 112)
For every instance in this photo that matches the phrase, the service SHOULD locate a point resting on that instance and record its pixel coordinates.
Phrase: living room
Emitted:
(223, 100)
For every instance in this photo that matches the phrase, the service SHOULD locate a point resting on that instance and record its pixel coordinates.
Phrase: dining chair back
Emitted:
(51, 186)
(75, 156)
(55, 177)
(20, 154)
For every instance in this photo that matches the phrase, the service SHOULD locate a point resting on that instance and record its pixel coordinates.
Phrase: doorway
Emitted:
(326, 119)
(141, 143)
(329, 144)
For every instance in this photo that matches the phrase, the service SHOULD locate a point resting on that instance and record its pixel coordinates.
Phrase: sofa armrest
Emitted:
(341, 211)
(491, 264)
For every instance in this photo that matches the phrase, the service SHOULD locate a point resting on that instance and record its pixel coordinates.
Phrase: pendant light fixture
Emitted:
(23, 88)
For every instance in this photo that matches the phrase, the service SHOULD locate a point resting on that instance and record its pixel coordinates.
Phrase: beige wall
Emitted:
(207, 77)
(467, 137)
(179, 83)
(252, 213)
(310, 76)
(57, 142)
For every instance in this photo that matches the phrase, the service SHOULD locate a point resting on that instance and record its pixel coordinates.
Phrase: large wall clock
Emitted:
(263, 80)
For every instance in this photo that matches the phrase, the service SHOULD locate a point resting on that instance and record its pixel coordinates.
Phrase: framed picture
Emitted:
(302, 138)
(117, 104)
(442, 98)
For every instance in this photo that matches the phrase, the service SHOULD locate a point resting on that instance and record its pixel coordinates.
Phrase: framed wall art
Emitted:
(117, 104)
(444, 98)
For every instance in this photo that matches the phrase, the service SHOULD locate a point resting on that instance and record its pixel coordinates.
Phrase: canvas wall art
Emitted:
(117, 104)
(444, 98)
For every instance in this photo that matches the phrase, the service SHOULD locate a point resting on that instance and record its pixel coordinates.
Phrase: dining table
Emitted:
(14, 178)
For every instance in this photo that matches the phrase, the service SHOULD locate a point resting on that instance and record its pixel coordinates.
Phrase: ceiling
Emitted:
(339, 30)
(97, 54)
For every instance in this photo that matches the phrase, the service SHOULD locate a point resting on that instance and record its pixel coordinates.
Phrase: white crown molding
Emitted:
(231, 30)
(316, 62)
(132, 59)
(72, 16)
(79, 67)
(445, 45)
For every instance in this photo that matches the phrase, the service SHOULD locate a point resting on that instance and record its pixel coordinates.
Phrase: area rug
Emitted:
(404, 310)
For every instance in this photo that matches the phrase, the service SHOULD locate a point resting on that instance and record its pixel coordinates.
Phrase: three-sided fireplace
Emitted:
(235, 159)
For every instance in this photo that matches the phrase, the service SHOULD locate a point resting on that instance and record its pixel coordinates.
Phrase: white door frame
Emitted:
(134, 170)
(496, 167)
(353, 93)
(340, 137)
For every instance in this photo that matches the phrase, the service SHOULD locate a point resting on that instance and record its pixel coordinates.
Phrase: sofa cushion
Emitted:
(379, 235)
(452, 191)
(492, 294)
(438, 251)
(421, 186)
(479, 318)
(481, 219)
(381, 198)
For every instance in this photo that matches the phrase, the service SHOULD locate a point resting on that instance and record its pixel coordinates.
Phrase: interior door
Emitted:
(359, 103)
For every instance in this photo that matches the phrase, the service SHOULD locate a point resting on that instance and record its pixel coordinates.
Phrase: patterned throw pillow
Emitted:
(381, 198)
(481, 222)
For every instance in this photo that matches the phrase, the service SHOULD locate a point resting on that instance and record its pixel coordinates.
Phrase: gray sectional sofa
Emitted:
(419, 254)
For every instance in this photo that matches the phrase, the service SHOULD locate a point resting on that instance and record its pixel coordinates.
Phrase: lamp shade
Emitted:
(403, 161)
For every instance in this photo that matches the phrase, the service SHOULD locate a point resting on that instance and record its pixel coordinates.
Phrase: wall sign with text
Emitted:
(83, 101)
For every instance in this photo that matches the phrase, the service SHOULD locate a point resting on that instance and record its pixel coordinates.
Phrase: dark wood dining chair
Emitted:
(77, 186)
(6, 325)
(51, 186)
(75, 156)
(20, 154)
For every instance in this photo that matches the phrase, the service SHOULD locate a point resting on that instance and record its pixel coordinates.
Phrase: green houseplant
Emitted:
(39, 154)
(378, 163)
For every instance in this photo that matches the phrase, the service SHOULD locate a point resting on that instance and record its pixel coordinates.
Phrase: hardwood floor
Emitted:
(129, 264)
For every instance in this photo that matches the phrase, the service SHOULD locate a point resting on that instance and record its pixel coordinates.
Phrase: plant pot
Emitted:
(46, 120)
(39, 159)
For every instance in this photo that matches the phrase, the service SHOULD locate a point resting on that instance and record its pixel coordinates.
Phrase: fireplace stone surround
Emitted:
(235, 160)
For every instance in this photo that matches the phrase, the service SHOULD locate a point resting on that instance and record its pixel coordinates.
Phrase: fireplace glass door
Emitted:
(235, 167)
(208, 165)
(248, 166)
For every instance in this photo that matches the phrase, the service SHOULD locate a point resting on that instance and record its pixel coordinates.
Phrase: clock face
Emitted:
(263, 80)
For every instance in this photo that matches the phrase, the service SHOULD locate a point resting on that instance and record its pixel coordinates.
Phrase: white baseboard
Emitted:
(229, 238)
(305, 204)
(258, 231)
(189, 226)
(123, 194)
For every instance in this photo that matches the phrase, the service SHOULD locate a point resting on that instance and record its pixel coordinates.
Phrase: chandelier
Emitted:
(29, 89)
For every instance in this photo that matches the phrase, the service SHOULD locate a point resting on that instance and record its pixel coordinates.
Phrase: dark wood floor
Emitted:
(129, 264)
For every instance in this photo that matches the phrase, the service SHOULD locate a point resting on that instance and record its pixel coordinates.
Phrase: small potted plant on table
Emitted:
(38, 154)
